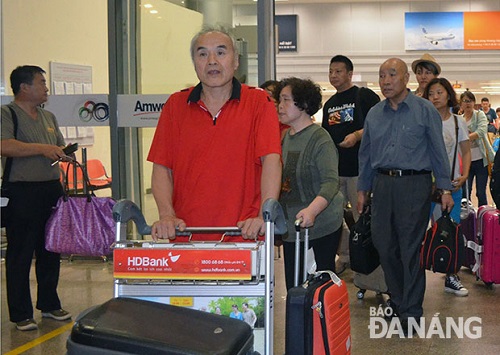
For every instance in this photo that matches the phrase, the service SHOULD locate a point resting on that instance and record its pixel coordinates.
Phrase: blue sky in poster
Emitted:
(444, 30)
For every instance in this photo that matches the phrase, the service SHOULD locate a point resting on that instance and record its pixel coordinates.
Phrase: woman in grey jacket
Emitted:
(310, 181)
(481, 151)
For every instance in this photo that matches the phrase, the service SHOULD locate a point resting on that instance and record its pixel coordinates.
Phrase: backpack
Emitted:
(443, 248)
(495, 179)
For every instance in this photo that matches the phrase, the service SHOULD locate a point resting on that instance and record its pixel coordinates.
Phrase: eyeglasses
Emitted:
(467, 101)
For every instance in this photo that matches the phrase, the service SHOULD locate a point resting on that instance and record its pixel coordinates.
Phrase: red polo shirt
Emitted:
(216, 161)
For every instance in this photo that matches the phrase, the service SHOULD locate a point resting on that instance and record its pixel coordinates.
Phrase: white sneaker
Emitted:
(453, 285)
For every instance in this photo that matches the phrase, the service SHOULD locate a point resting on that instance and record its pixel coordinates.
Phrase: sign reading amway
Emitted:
(175, 264)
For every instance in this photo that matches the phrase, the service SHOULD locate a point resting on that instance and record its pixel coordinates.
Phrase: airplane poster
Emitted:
(434, 31)
(452, 30)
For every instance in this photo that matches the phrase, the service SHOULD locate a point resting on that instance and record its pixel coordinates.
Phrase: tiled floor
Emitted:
(84, 283)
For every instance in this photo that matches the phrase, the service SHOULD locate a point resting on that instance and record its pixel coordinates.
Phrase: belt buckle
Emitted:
(396, 172)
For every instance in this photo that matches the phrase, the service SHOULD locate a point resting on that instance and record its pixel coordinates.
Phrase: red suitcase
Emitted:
(331, 318)
(317, 313)
(489, 237)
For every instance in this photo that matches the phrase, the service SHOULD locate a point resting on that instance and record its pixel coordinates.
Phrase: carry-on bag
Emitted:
(363, 255)
(317, 311)
(132, 326)
(488, 233)
(443, 247)
(375, 281)
(80, 223)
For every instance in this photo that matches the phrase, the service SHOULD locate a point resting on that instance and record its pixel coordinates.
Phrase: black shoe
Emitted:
(406, 330)
(391, 310)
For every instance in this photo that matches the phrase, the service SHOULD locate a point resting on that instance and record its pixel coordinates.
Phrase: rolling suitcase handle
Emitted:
(297, 252)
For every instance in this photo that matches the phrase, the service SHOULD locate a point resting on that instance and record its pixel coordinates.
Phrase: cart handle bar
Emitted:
(126, 210)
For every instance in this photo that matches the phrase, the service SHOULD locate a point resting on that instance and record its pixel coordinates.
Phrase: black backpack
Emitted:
(495, 179)
(443, 248)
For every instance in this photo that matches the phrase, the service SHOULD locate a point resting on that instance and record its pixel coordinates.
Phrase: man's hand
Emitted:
(251, 228)
(363, 200)
(53, 152)
(349, 141)
(447, 202)
(165, 227)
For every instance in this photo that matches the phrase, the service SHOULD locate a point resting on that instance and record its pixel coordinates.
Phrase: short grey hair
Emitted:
(214, 28)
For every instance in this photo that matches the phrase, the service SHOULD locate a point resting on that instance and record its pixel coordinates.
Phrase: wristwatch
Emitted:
(446, 192)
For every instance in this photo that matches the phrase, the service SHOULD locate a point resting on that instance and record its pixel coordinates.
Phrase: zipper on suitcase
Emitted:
(324, 331)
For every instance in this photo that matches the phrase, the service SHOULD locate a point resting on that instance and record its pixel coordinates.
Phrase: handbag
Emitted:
(81, 223)
(443, 247)
(4, 214)
(363, 255)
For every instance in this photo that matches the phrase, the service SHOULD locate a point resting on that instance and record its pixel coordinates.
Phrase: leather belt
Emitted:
(399, 172)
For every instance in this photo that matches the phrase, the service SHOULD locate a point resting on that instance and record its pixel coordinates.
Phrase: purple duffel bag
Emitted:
(81, 225)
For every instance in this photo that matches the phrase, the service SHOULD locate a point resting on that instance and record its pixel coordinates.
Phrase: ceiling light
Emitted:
(148, 6)
(153, 11)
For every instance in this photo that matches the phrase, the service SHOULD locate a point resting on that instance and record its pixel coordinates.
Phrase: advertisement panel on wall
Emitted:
(140, 110)
(452, 30)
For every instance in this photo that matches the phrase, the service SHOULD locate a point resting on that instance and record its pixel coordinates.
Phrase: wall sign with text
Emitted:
(287, 32)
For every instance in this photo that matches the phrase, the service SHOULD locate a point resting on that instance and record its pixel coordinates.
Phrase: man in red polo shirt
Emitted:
(216, 149)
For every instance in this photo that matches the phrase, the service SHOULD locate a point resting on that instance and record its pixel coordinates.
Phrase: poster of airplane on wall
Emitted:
(434, 31)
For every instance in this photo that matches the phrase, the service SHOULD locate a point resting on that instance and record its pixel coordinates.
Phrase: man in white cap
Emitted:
(426, 68)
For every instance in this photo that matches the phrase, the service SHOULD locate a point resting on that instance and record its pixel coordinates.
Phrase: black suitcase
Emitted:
(299, 315)
(133, 326)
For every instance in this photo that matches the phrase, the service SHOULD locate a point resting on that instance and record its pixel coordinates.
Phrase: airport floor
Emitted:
(84, 283)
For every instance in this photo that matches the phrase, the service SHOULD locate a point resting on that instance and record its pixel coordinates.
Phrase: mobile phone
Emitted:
(70, 149)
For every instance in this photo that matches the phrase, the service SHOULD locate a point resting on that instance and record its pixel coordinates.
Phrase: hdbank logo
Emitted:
(96, 111)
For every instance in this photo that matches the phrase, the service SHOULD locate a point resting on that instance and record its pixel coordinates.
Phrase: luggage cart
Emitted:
(181, 273)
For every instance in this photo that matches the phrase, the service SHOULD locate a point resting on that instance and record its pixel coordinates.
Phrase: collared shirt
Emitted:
(408, 138)
(216, 161)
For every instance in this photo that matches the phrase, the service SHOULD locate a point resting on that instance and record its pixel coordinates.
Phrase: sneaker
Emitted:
(27, 324)
(341, 266)
(58, 314)
(453, 285)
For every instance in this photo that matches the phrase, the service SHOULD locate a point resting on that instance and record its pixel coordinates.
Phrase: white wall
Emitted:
(165, 61)
(37, 32)
(371, 32)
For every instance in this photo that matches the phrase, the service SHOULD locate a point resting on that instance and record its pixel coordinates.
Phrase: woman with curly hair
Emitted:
(310, 182)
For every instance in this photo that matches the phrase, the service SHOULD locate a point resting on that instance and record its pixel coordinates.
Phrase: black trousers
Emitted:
(30, 206)
(400, 214)
(325, 249)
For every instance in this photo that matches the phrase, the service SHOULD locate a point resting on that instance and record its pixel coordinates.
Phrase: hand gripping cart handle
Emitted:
(274, 219)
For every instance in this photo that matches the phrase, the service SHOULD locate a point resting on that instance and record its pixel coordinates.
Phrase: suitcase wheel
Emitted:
(489, 285)
(361, 294)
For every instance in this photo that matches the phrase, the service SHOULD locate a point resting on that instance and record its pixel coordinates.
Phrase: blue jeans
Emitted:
(478, 170)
